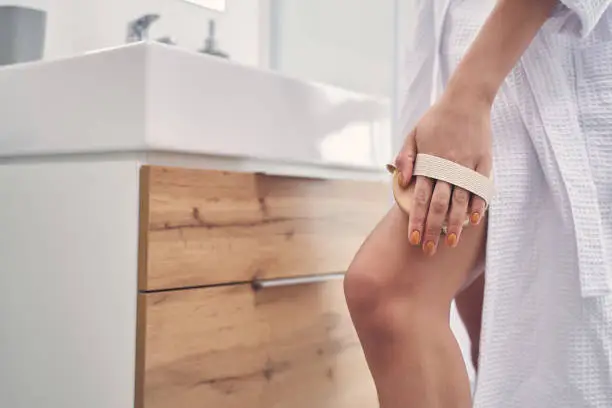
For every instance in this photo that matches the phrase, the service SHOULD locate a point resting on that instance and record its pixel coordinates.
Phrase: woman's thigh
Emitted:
(402, 270)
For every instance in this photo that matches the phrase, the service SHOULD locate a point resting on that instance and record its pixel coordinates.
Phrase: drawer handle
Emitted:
(299, 280)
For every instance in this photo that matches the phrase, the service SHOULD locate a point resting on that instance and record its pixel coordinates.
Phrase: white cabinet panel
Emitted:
(68, 273)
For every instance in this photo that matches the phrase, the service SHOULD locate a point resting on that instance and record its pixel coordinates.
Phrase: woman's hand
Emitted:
(457, 128)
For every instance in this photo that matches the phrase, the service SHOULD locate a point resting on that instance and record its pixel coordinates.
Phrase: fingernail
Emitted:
(451, 240)
(430, 248)
(475, 218)
(415, 237)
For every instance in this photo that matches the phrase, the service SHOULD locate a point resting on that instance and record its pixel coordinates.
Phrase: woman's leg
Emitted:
(399, 300)
(469, 305)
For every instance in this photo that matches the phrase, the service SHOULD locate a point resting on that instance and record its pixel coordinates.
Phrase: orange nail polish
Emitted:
(430, 248)
(475, 218)
(415, 237)
(451, 240)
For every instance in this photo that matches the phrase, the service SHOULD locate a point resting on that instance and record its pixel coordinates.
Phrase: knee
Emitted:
(364, 290)
(375, 299)
(381, 299)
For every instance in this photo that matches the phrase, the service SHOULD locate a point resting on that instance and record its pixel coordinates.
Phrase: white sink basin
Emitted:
(152, 97)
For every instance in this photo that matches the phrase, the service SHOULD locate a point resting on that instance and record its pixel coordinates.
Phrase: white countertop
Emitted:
(153, 98)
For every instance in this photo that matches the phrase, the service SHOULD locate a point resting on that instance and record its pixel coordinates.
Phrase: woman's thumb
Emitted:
(405, 159)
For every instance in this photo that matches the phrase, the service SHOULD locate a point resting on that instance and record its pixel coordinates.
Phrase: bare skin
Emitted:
(399, 294)
(402, 311)
(469, 305)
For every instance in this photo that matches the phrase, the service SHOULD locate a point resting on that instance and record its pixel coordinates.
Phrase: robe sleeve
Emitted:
(582, 15)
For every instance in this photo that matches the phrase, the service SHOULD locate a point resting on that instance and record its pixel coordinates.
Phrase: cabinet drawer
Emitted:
(233, 347)
(200, 227)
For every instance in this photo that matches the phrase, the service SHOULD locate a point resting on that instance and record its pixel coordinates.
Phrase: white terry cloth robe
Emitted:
(546, 339)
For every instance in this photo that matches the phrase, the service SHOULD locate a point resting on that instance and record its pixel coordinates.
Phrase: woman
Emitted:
(531, 103)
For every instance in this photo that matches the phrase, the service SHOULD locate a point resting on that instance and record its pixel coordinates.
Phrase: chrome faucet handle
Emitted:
(138, 30)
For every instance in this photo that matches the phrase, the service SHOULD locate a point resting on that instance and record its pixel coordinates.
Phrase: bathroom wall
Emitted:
(345, 42)
(75, 26)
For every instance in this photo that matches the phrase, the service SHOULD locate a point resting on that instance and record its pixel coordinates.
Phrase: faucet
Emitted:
(138, 30)
(210, 45)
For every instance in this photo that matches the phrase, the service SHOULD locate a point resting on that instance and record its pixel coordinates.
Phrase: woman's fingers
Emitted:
(478, 207)
(477, 210)
(457, 215)
(405, 159)
(420, 206)
(438, 209)
(437, 203)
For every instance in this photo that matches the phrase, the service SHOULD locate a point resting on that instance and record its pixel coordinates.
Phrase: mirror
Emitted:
(217, 5)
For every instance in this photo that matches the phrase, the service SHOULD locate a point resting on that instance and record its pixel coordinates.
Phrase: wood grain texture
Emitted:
(232, 347)
(208, 227)
(143, 225)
